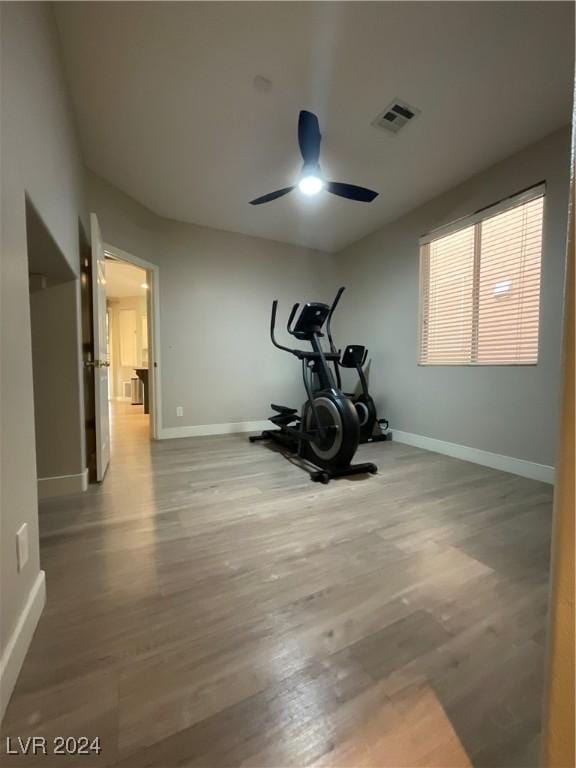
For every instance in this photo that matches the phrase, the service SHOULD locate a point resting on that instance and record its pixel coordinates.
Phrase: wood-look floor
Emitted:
(209, 606)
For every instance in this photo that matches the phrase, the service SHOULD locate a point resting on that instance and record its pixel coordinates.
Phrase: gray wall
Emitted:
(39, 159)
(216, 289)
(511, 410)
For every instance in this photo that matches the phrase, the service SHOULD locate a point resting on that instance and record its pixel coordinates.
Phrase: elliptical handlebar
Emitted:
(296, 352)
(292, 315)
(273, 328)
(329, 319)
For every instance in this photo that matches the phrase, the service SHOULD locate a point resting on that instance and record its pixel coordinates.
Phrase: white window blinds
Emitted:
(480, 286)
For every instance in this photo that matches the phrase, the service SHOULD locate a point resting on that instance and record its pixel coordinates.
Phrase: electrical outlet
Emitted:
(179, 411)
(22, 546)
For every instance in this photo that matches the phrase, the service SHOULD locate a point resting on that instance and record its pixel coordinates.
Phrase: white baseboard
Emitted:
(167, 433)
(19, 642)
(61, 485)
(520, 467)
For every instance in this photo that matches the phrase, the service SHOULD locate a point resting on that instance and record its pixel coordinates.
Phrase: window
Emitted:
(480, 286)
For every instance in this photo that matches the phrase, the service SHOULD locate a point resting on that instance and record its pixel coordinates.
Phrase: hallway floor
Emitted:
(209, 606)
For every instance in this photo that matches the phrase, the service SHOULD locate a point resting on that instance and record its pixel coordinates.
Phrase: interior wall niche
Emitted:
(54, 319)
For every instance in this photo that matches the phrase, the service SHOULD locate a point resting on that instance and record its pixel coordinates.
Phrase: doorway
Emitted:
(127, 288)
(131, 325)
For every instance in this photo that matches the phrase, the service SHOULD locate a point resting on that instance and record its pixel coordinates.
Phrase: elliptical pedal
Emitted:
(283, 409)
(283, 419)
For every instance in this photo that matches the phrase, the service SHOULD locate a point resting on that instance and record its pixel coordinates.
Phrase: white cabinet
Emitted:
(128, 338)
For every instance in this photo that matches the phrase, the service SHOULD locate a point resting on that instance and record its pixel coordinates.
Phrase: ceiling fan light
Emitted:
(310, 185)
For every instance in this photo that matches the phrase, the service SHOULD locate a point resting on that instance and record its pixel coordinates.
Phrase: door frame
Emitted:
(153, 311)
(100, 366)
(86, 330)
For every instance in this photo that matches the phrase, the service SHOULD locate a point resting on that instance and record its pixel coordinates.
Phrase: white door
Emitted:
(101, 359)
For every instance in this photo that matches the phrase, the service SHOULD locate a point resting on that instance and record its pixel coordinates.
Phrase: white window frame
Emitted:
(513, 201)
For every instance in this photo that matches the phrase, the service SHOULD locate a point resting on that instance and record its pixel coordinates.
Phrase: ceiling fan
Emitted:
(311, 181)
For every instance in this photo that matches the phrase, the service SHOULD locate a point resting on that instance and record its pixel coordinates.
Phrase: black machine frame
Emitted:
(326, 434)
(372, 428)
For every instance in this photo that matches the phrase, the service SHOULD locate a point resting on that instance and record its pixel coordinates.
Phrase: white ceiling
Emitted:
(168, 112)
(123, 280)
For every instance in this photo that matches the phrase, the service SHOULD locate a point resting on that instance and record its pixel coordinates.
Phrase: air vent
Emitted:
(396, 115)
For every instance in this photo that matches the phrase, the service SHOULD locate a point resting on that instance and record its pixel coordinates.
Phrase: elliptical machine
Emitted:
(327, 432)
(372, 429)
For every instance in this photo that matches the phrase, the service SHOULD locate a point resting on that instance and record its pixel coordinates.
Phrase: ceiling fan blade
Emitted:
(309, 137)
(271, 196)
(351, 191)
